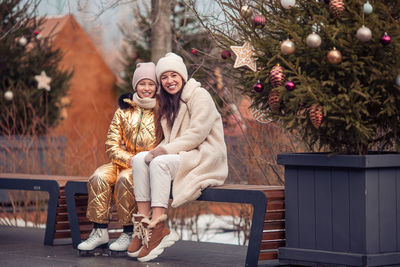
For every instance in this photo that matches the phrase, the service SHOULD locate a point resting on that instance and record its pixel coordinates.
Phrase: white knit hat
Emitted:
(171, 62)
(145, 70)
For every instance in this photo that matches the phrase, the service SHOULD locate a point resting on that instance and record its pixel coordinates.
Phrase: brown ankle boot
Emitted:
(137, 237)
(156, 238)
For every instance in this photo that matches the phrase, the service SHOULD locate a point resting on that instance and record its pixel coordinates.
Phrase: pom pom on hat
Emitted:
(145, 70)
(171, 62)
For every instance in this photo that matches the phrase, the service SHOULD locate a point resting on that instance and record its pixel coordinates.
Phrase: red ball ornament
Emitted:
(316, 116)
(385, 39)
(258, 87)
(289, 85)
(259, 21)
(225, 54)
(194, 51)
(274, 99)
(276, 76)
(36, 32)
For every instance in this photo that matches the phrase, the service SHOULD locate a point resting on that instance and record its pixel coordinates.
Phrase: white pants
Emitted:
(153, 182)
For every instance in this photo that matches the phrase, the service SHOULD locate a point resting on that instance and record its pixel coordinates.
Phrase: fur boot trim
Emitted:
(152, 224)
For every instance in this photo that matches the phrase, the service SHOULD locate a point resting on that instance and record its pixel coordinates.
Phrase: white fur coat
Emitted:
(197, 136)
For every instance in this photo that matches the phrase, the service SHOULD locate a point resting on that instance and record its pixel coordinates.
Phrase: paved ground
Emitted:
(21, 247)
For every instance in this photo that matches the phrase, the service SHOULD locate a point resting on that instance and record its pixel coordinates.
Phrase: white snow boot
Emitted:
(122, 243)
(98, 240)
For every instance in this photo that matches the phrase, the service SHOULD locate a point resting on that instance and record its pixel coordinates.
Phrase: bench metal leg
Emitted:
(54, 191)
(259, 201)
(73, 188)
(50, 186)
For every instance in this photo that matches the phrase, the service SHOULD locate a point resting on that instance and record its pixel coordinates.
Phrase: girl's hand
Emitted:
(158, 151)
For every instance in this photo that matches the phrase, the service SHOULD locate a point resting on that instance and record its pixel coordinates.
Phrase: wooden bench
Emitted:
(267, 232)
(54, 185)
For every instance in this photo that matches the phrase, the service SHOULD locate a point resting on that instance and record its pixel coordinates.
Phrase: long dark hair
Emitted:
(169, 104)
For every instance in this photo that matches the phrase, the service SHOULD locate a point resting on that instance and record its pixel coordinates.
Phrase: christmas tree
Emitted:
(326, 70)
(31, 82)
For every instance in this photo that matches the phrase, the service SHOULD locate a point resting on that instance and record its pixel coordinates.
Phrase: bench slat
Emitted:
(274, 225)
(275, 215)
(268, 255)
(273, 235)
(275, 244)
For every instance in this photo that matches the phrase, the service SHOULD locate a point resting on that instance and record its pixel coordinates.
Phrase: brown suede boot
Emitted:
(136, 244)
(156, 238)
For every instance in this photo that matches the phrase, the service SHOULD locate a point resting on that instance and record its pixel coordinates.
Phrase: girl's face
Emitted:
(146, 88)
(172, 82)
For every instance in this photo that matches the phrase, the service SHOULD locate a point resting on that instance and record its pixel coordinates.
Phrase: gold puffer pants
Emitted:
(108, 181)
(131, 131)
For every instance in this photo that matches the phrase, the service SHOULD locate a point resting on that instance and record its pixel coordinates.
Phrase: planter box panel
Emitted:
(357, 210)
(372, 211)
(306, 195)
(291, 198)
(323, 204)
(387, 210)
(340, 210)
(398, 208)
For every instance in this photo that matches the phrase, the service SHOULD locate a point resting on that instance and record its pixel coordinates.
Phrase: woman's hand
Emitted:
(158, 151)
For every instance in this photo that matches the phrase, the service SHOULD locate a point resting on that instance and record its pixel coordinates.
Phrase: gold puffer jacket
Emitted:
(133, 126)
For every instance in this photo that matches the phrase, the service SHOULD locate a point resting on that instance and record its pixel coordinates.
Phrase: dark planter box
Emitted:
(342, 209)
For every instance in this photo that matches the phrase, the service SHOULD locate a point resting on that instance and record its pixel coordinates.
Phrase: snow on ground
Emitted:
(212, 228)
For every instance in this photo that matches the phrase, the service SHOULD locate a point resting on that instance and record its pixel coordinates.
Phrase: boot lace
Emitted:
(146, 232)
(93, 235)
(122, 239)
(139, 230)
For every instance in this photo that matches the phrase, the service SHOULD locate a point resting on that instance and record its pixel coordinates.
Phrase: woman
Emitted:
(192, 155)
(132, 130)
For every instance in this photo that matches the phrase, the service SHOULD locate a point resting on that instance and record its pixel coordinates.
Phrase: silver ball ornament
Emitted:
(398, 80)
(368, 8)
(8, 95)
(364, 34)
(313, 40)
(288, 3)
(22, 41)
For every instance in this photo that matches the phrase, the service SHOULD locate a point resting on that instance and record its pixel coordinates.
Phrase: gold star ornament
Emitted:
(43, 81)
(245, 56)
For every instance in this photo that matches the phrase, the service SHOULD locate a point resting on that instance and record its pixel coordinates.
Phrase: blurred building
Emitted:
(91, 98)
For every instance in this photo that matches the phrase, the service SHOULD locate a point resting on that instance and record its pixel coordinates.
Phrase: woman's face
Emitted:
(146, 88)
(172, 82)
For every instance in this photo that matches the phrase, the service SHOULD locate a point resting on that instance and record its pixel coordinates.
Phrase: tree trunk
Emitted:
(161, 35)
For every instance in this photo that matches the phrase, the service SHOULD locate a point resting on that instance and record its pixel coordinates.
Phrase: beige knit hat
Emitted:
(145, 70)
(171, 62)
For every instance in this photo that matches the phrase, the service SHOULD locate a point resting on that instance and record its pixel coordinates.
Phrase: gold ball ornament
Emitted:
(288, 47)
(8, 95)
(246, 11)
(364, 34)
(334, 56)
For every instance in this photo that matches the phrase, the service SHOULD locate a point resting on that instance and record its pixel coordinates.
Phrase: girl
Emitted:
(132, 130)
(193, 155)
